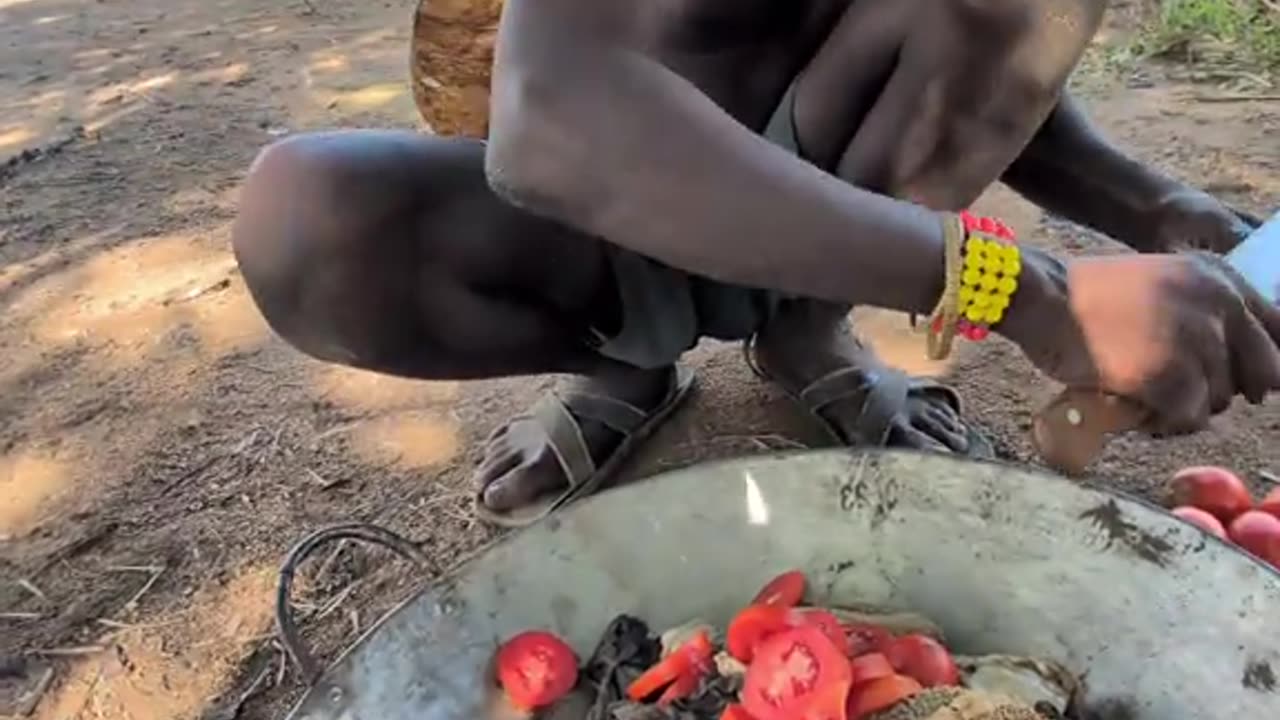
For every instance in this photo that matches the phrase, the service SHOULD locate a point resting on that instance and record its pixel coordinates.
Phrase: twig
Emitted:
(339, 598)
(1272, 4)
(133, 601)
(31, 588)
(354, 615)
(1235, 98)
(20, 616)
(117, 625)
(147, 569)
(70, 651)
(1269, 477)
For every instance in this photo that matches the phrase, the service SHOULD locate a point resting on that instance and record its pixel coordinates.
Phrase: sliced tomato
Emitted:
(786, 590)
(869, 667)
(684, 686)
(924, 659)
(736, 712)
(828, 703)
(880, 695)
(826, 622)
(536, 669)
(752, 626)
(865, 638)
(692, 657)
(788, 669)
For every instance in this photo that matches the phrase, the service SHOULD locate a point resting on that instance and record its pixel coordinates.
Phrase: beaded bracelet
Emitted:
(983, 265)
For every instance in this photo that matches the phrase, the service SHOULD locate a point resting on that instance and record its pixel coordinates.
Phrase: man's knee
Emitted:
(288, 233)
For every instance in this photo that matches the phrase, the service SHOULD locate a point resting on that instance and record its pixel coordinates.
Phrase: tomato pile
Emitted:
(1217, 501)
(800, 664)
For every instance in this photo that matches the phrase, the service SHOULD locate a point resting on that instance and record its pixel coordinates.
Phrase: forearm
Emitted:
(1070, 169)
(618, 146)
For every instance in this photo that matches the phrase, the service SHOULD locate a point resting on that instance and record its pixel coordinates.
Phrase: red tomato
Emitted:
(881, 695)
(1202, 520)
(751, 627)
(786, 590)
(1215, 490)
(1259, 533)
(924, 659)
(827, 703)
(872, 666)
(684, 686)
(692, 657)
(826, 622)
(1271, 503)
(536, 669)
(788, 669)
(866, 638)
(736, 712)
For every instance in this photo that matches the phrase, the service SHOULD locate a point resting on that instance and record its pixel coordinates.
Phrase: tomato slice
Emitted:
(684, 686)
(870, 667)
(787, 671)
(865, 638)
(693, 657)
(786, 590)
(826, 622)
(924, 659)
(736, 712)
(880, 695)
(536, 669)
(751, 627)
(828, 703)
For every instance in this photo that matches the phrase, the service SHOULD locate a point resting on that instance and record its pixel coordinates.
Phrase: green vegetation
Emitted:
(1245, 31)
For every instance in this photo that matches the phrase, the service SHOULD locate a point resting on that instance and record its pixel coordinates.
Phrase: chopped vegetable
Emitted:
(536, 669)
(866, 638)
(880, 695)
(684, 686)
(827, 623)
(1202, 520)
(1215, 490)
(1271, 503)
(924, 659)
(869, 667)
(786, 590)
(788, 669)
(694, 657)
(1259, 533)
(753, 626)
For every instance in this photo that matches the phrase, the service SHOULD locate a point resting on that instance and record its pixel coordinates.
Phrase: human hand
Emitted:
(1188, 219)
(1181, 334)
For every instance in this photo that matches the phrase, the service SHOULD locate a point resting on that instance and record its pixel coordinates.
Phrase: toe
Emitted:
(905, 436)
(523, 485)
(944, 425)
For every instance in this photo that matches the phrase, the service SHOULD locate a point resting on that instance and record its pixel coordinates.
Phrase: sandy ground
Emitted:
(160, 450)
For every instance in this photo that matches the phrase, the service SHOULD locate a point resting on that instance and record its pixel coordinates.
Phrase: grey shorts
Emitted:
(666, 311)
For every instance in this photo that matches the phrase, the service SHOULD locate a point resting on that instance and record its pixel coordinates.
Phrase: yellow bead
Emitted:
(971, 276)
(992, 264)
(966, 293)
(975, 314)
(1007, 286)
(974, 261)
(975, 246)
(980, 299)
(1010, 252)
(1012, 268)
(999, 301)
(989, 282)
(992, 316)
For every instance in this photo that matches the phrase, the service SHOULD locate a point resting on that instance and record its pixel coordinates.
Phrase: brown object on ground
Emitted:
(452, 56)
(148, 418)
(958, 704)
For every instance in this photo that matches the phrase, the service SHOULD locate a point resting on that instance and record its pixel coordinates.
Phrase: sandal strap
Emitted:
(883, 394)
(561, 416)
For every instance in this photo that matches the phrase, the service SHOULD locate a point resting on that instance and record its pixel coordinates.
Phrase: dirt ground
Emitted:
(160, 450)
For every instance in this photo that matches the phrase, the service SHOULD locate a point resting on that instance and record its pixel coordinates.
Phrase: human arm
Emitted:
(1072, 170)
(589, 132)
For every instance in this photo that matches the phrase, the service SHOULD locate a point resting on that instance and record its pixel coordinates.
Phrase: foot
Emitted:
(519, 466)
(808, 341)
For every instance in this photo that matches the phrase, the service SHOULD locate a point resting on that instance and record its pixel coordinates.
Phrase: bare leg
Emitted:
(387, 251)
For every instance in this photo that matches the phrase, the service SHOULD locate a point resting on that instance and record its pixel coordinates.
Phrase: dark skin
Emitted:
(638, 124)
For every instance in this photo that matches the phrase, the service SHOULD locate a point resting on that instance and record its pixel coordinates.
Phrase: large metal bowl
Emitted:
(1168, 622)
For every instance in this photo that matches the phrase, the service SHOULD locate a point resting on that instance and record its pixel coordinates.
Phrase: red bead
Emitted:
(968, 220)
(1004, 231)
(978, 333)
(937, 325)
(987, 225)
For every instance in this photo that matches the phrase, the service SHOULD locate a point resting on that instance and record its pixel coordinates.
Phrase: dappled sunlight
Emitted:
(171, 667)
(899, 345)
(366, 98)
(50, 19)
(412, 440)
(30, 483)
(5, 4)
(367, 392)
(14, 137)
(226, 74)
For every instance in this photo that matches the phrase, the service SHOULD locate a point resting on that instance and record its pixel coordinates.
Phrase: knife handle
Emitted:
(1072, 430)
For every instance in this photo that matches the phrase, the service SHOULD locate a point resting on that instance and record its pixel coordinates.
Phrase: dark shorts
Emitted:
(666, 311)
